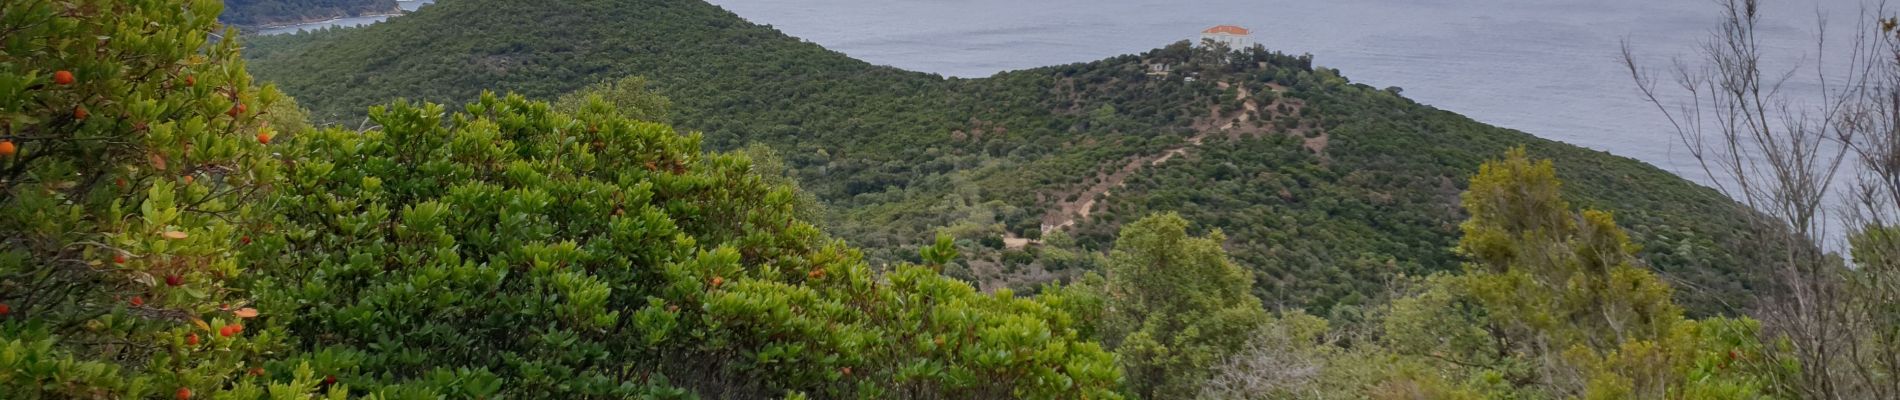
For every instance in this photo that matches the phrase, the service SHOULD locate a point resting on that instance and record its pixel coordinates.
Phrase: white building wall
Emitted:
(1232, 41)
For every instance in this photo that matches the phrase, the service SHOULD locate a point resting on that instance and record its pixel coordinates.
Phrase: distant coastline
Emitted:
(403, 7)
(321, 20)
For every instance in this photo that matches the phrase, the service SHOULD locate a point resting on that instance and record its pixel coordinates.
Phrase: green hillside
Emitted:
(178, 229)
(1326, 189)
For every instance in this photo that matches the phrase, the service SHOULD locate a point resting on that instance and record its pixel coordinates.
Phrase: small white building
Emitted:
(1233, 36)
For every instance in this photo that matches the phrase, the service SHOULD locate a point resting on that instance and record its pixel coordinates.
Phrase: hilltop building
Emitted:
(1233, 36)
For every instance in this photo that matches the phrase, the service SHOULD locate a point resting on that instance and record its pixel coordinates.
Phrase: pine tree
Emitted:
(1558, 302)
(1542, 266)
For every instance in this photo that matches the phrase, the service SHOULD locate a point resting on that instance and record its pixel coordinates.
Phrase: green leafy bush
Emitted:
(1176, 305)
(594, 255)
(162, 240)
(1556, 303)
(134, 167)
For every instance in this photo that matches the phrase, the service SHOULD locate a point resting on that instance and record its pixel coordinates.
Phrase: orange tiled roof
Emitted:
(1227, 29)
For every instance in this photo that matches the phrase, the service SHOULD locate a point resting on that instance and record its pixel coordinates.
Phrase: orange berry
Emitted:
(845, 370)
(80, 113)
(231, 330)
(7, 148)
(189, 179)
(63, 77)
(245, 240)
(815, 274)
(257, 371)
(118, 259)
(184, 393)
(192, 339)
(263, 137)
(716, 281)
(235, 110)
(138, 301)
(174, 280)
(191, 80)
(4, 309)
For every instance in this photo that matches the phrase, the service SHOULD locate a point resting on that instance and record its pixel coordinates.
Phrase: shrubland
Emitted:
(173, 228)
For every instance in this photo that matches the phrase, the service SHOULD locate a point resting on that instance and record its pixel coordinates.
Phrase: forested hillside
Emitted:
(268, 12)
(1326, 188)
(174, 228)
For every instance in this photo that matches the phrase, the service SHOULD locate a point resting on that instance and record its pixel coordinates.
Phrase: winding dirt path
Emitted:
(1070, 210)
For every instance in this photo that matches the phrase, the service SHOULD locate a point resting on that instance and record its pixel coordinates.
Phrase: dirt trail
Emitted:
(1070, 210)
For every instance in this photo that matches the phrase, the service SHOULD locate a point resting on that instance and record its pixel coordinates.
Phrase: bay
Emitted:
(346, 22)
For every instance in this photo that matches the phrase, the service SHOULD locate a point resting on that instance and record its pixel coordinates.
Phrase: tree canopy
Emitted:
(162, 238)
(1177, 304)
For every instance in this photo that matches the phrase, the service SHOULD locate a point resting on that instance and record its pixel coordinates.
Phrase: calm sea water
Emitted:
(407, 5)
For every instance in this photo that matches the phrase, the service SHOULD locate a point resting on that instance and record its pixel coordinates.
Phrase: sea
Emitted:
(345, 22)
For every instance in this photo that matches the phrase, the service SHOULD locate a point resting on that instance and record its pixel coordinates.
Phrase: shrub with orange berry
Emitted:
(97, 139)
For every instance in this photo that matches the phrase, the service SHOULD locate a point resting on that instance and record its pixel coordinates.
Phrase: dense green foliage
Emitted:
(1564, 294)
(629, 96)
(130, 166)
(1553, 304)
(528, 253)
(1326, 189)
(573, 255)
(267, 12)
(168, 243)
(1177, 304)
(1874, 303)
(173, 230)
